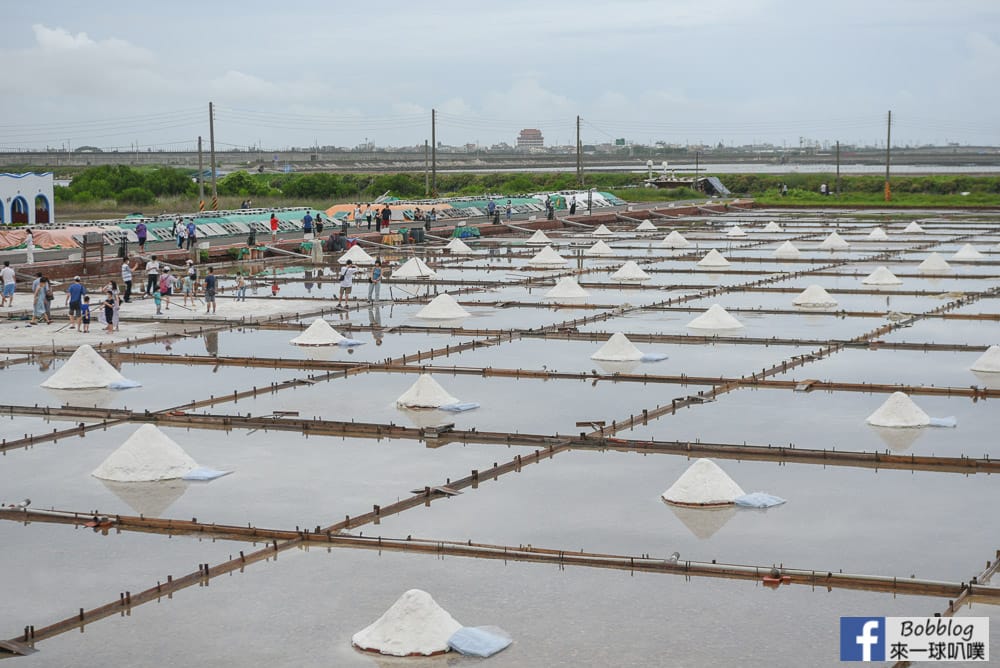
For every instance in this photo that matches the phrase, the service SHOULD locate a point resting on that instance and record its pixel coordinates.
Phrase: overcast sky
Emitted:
(299, 73)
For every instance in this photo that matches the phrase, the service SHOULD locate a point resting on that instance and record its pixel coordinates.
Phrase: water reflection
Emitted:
(703, 522)
(150, 499)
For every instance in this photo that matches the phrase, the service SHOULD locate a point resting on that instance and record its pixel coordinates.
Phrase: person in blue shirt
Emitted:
(307, 223)
(85, 314)
(376, 281)
(74, 297)
(210, 285)
(192, 234)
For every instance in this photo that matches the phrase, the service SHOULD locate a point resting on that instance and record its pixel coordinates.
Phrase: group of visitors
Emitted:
(183, 232)
(346, 281)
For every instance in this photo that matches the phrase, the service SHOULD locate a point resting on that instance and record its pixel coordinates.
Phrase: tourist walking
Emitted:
(192, 234)
(357, 215)
(318, 224)
(187, 289)
(274, 227)
(109, 311)
(508, 211)
(307, 224)
(572, 205)
(127, 279)
(141, 233)
(9, 281)
(386, 216)
(74, 299)
(368, 216)
(29, 247)
(152, 275)
(166, 286)
(241, 287)
(192, 273)
(85, 314)
(179, 232)
(210, 284)
(40, 297)
(346, 283)
(112, 289)
(376, 282)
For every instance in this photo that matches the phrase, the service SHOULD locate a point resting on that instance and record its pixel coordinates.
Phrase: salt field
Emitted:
(530, 435)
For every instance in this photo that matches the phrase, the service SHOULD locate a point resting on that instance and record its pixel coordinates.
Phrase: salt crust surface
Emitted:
(425, 393)
(83, 370)
(704, 483)
(617, 349)
(147, 455)
(899, 411)
(414, 624)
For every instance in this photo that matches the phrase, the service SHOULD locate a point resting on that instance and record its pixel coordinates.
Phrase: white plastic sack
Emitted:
(481, 641)
(944, 422)
(758, 500)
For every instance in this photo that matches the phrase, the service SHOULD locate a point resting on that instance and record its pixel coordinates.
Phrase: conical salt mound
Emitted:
(703, 484)
(415, 625)
(630, 271)
(675, 240)
(356, 255)
(646, 226)
(715, 317)
(713, 259)
(877, 234)
(602, 231)
(458, 247)
(539, 238)
(425, 393)
(83, 370)
(319, 333)
(617, 349)
(772, 227)
(736, 231)
(988, 361)
(147, 455)
(599, 249)
(414, 268)
(442, 307)
(547, 258)
(814, 295)
(899, 411)
(787, 250)
(566, 288)
(967, 252)
(834, 242)
(881, 276)
(913, 228)
(934, 264)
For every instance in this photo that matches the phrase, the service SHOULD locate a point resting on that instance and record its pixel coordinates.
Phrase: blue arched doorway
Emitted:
(19, 211)
(42, 210)
(3, 221)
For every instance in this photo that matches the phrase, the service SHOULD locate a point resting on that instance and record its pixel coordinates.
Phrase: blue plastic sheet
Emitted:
(653, 357)
(124, 384)
(459, 407)
(944, 422)
(481, 641)
(759, 500)
(350, 342)
(204, 474)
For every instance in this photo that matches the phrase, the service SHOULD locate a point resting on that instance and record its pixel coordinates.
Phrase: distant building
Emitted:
(26, 199)
(530, 138)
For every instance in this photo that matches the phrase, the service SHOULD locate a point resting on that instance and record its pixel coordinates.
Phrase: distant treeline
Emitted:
(144, 186)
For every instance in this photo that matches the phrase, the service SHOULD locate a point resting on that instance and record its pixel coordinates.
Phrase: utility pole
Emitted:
(211, 149)
(838, 169)
(434, 167)
(579, 153)
(888, 143)
(201, 178)
(427, 174)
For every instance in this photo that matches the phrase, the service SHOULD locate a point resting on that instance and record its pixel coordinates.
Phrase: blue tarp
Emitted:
(481, 641)
(758, 500)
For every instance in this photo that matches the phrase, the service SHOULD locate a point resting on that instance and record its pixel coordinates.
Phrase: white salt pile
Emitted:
(713, 259)
(458, 247)
(425, 393)
(547, 258)
(675, 240)
(630, 271)
(787, 250)
(538, 238)
(877, 234)
(703, 484)
(814, 296)
(415, 625)
(618, 349)
(602, 231)
(85, 369)
(834, 242)
(147, 455)
(934, 264)
(319, 333)
(913, 228)
(442, 307)
(414, 268)
(899, 411)
(566, 288)
(646, 226)
(988, 361)
(599, 249)
(772, 227)
(967, 252)
(715, 317)
(881, 276)
(736, 231)
(357, 255)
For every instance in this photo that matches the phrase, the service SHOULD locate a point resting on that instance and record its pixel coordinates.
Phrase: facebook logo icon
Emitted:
(862, 638)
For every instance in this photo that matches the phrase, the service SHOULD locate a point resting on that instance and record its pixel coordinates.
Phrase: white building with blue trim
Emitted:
(27, 199)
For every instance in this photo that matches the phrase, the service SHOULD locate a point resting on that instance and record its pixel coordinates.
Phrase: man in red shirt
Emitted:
(274, 228)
